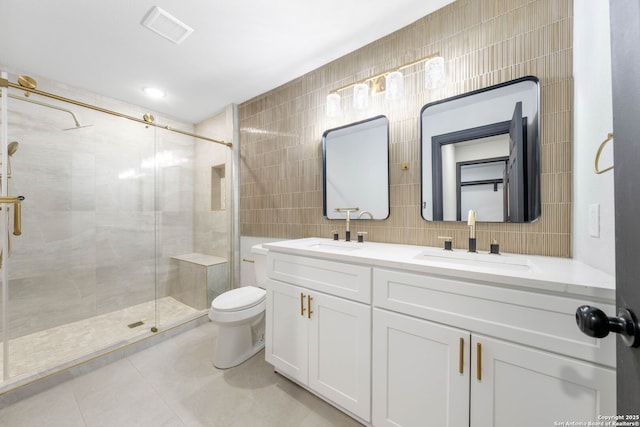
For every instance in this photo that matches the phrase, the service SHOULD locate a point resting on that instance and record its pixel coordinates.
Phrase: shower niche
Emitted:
(218, 188)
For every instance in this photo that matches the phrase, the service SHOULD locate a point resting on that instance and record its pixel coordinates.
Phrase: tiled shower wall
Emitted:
(484, 42)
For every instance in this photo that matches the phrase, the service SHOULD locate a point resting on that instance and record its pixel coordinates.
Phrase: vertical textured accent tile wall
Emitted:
(484, 42)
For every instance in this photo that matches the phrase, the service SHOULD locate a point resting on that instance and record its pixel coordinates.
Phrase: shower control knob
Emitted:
(595, 323)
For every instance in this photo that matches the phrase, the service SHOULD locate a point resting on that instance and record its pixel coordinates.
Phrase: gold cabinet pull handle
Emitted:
(302, 309)
(461, 369)
(479, 361)
(309, 298)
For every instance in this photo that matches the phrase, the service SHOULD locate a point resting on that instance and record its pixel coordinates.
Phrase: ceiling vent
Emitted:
(164, 24)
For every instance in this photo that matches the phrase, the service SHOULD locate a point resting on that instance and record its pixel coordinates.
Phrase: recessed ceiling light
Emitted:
(154, 92)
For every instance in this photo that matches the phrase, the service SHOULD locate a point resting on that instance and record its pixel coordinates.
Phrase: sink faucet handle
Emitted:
(494, 247)
(361, 235)
(447, 242)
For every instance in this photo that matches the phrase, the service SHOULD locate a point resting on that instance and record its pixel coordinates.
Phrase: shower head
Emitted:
(78, 126)
(12, 148)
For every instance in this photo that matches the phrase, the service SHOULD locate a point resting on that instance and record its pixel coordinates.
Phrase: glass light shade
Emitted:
(361, 96)
(333, 105)
(434, 75)
(394, 83)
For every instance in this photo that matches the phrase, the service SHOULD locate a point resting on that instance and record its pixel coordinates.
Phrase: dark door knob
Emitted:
(595, 323)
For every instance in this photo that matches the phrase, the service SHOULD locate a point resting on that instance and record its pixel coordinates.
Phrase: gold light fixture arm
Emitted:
(29, 89)
(17, 212)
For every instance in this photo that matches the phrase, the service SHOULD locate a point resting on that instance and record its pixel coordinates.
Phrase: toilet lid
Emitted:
(238, 299)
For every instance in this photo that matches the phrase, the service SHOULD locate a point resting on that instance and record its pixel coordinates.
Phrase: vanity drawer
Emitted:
(535, 319)
(334, 278)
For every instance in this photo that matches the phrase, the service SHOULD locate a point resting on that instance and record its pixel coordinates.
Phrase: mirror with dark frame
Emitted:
(355, 163)
(480, 151)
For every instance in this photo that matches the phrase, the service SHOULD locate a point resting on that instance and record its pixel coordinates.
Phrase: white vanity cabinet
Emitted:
(519, 385)
(420, 372)
(318, 328)
(454, 353)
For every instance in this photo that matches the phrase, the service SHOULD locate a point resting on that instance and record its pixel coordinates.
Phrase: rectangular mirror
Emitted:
(355, 163)
(481, 150)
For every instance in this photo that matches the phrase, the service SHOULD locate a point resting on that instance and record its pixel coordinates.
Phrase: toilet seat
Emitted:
(239, 299)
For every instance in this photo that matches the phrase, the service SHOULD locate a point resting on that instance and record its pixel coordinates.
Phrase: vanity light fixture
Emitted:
(361, 96)
(434, 73)
(333, 105)
(154, 92)
(394, 86)
(391, 82)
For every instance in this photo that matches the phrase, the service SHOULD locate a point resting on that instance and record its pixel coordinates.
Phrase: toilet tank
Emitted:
(260, 264)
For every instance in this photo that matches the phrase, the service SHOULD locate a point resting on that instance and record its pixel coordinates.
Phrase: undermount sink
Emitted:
(488, 261)
(335, 247)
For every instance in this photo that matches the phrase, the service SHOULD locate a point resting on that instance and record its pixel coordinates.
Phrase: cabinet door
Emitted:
(420, 372)
(527, 387)
(340, 352)
(286, 330)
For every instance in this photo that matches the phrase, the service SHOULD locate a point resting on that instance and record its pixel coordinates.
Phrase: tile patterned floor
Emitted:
(174, 383)
(52, 347)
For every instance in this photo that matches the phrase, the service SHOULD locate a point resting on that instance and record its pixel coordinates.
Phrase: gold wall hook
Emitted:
(596, 168)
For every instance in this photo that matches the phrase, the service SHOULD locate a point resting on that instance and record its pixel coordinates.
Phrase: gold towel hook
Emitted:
(596, 169)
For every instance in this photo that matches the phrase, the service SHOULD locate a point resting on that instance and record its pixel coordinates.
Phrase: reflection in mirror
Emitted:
(483, 148)
(355, 161)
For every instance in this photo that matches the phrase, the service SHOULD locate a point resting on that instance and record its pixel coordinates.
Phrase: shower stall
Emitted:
(114, 228)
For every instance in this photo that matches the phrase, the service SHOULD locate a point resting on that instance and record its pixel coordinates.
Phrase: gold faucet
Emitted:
(17, 212)
(471, 222)
(348, 211)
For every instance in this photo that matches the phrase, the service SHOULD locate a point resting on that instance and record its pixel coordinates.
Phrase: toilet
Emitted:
(239, 314)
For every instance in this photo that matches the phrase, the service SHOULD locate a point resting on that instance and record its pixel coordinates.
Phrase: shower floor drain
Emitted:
(136, 324)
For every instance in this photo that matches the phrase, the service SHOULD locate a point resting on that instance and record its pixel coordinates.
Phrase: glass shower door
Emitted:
(80, 279)
(113, 210)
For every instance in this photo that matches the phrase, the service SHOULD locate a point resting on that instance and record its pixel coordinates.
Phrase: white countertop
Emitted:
(549, 274)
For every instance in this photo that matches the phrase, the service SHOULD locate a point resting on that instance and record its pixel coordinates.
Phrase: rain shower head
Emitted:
(78, 126)
(12, 148)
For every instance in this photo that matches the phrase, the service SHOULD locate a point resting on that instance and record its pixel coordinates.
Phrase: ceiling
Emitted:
(238, 49)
